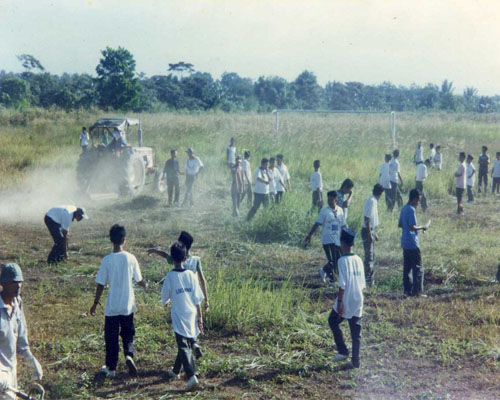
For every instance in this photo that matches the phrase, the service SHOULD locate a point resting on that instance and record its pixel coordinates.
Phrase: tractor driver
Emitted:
(118, 141)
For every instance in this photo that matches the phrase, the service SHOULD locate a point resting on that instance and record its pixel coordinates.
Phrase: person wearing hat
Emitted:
(172, 172)
(193, 168)
(58, 221)
(349, 302)
(14, 332)
(237, 186)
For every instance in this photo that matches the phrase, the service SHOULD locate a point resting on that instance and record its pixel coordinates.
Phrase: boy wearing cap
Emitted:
(172, 172)
(247, 175)
(237, 186)
(349, 302)
(193, 168)
(460, 178)
(14, 332)
(181, 289)
(285, 176)
(316, 182)
(261, 188)
(331, 219)
(118, 269)
(58, 221)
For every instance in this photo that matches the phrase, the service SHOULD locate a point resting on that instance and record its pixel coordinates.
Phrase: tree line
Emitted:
(118, 86)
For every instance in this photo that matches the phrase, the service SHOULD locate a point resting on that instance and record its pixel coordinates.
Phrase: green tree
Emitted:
(29, 62)
(470, 99)
(236, 92)
(117, 84)
(274, 92)
(14, 92)
(446, 99)
(307, 91)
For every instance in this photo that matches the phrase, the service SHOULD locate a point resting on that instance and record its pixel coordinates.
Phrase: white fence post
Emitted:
(393, 130)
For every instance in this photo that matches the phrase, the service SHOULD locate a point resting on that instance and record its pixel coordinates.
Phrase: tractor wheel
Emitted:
(133, 175)
(159, 184)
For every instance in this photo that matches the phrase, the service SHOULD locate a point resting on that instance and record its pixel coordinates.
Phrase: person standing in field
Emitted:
(84, 139)
(14, 331)
(331, 219)
(58, 221)
(413, 270)
(231, 153)
(438, 158)
(261, 188)
(285, 176)
(460, 181)
(344, 196)
(181, 289)
(495, 174)
(471, 177)
(118, 269)
(193, 169)
(422, 174)
(172, 172)
(484, 162)
(237, 186)
(385, 180)
(432, 154)
(316, 182)
(349, 302)
(396, 180)
(276, 180)
(368, 232)
(419, 154)
(247, 175)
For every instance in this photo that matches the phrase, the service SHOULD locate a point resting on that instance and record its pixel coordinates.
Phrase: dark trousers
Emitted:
(236, 199)
(482, 179)
(413, 272)
(460, 195)
(189, 189)
(184, 356)
(317, 200)
(396, 195)
(173, 190)
(124, 326)
(59, 248)
(334, 321)
(496, 185)
(388, 198)
(369, 261)
(419, 185)
(332, 252)
(470, 194)
(258, 199)
(279, 197)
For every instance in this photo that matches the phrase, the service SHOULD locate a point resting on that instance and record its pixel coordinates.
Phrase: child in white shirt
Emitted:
(495, 173)
(316, 182)
(471, 178)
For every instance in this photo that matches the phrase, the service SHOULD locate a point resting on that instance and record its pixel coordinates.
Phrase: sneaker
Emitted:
(322, 274)
(192, 383)
(107, 372)
(132, 369)
(197, 351)
(347, 366)
(172, 375)
(339, 357)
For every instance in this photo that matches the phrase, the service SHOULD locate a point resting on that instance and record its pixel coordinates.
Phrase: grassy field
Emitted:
(266, 334)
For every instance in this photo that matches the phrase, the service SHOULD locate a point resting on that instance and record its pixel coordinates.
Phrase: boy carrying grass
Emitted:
(181, 288)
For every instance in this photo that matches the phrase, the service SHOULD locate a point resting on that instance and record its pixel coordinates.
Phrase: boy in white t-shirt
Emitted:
(117, 270)
(349, 303)
(471, 178)
(495, 174)
(231, 153)
(84, 139)
(385, 180)
(261, 188)
(316, 182)
(421, 176)
(181, 289)
(247, 176)
(460, 178)
(285, 175)
(276, 180)
(331, 219)
(432, 154)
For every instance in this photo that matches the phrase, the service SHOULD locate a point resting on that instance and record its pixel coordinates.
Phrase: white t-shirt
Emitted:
(275, 180)
(370, 210)
(419, 154)
(84, 139)
(432, 154)
(385, 179)
(182, 288)
(62, 215)
(193, 166)
(316, 181)
(421, 172)
(438, 160)
(331, 222)
(193, 263)
(394, 170)
(285, 176)
(352, 280)
(231, 154)
(118, 270)
(470, 170)
(496, 169)
(460, 180)
(245, 166)
(261, 187)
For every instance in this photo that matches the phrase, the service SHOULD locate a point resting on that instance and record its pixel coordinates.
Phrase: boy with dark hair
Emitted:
(495, 174)
(432, 154)
(247, 175)
(84, 139)
(172, 172)
(471, 177)
(331, 219)
(237, 186)
(438, 158)
(316, 182)
(181, 289)
(344, 195)
(421, 176)
(285, 175)
(396, 180)
(368, 231)
(460, 178)
(385, 180)
(349, 303)
(118, 269)
(484, 162)
(261, 188)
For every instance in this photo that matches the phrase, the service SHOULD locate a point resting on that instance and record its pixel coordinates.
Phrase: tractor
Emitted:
(110, 164)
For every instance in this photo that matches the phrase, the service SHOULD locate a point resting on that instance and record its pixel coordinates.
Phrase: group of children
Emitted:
(184, 289)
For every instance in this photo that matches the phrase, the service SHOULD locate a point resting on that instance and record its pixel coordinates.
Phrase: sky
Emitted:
(372, 41)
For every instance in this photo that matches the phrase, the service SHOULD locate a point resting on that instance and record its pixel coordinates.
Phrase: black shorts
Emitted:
(460, 194)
